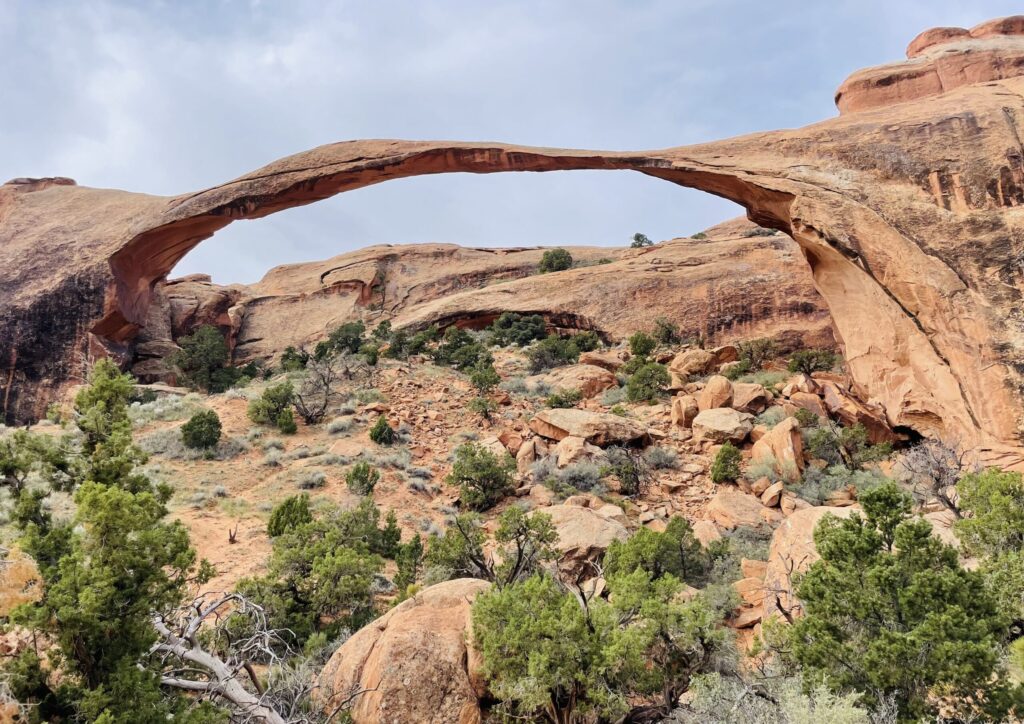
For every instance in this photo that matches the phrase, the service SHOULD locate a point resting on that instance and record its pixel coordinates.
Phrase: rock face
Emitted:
(906, 213)
(413, 663)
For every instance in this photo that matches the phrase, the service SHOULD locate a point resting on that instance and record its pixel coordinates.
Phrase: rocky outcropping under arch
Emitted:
(907, 208)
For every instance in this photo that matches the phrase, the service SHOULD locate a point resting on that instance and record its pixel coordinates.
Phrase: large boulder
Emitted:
(413, 664)
(717, 392)
(571, 450)
(783, 447)
(684, 409)
(588, 379)
(750, 397)
(598, 428)
(606, 359)
(584, 534)
(722, 424)
(690, 363)
(731, 508)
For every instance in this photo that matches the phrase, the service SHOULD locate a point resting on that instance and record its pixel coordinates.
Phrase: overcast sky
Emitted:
(169, 97)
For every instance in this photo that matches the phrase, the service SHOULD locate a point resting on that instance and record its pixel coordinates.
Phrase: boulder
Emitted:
(684, 409)
(584, 534)
(751, 590)
(689, 363)
(606, 359)
(571, 450)
(598, 428)
(413, 664)
(810, 402)
(750, 397)
(782, 446)
(770, 496)
(717, 392)
(729, 508)
(722, 424)
(588, 379)
(706, 532)
(852, 412)
(512, 441)
(530, 452)
(760, 485)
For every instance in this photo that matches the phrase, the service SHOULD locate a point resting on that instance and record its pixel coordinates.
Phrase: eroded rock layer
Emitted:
(909, 215)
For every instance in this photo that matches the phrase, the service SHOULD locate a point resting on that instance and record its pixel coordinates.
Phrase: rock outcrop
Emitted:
(413, 664)
(906, 213)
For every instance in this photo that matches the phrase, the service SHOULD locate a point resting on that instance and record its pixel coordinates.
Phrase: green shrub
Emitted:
(631, 468)
(483, 406)
(484, 378)
(201, 431)
(666, 332)
(382, 433)
(362, 478)
(699, 235)
(673, 552)
(726, 467)
(737, 369)
(586, 341)
(564, 398)
(382, 332)
(346, 338)
(555, 260)
(553, 351)
(648, 383)
(290, 513)
(517, 329)
(293, 360)
(640, 241)
(849, 446)
(482, 477)
(265, 409)
(459, 349)
(202, 360)
(642, 344)
(809, 361)
(286, 422)
(755, 353)
(370, 353)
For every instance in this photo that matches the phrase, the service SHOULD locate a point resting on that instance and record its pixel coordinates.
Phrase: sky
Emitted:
(171, 97)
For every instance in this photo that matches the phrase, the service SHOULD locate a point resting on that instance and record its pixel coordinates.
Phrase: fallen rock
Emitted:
(571, 450)
(722, 424)
(588, 379)
(730, 509)
(783, 447)
(706, 532)
(606, 359)
(717, 392)
(810, 402)
(530, 452)
(689, 363)
(599, 428)
(770, 497)
(852, 412)
(750, 397)
(583, 535)
(684, 409)
(412, 663)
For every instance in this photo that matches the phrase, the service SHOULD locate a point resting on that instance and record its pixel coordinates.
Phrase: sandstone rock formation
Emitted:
(907, 214)
(598, 428)
(413, 663)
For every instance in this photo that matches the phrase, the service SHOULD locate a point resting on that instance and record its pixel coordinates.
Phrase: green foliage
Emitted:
(203, 360)
(398, 345)
(320, 573)
(410, 561)
(290, 513)
(884, 591)
(699, 235)
(460, 350)
(286, 422)
(361, 478)
(726, 466)
(849, 446)
(517, 329)
(482, 477)
(202, 431)
(666, 332)
(994, 503)
(267, 408)
(630, 467)
(642, 344)
(293, 360)
(420, 341)
(640, 241)
(554, 260)
(809, 361)
(484, 378)
(553, 351)
(737, 370)
(483, 406)
(20, 452)
(564, 398)
(370, 353)
(674, 552)
(382, 332)
(102, 406)
(754, 353)
(346, 338)
(648, 383)
(546, 656)
(586, 341)
(382, 433)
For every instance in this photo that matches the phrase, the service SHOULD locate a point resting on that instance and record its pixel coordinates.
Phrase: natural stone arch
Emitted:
(907, 214)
